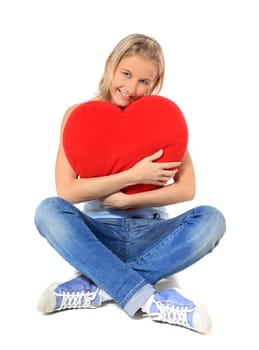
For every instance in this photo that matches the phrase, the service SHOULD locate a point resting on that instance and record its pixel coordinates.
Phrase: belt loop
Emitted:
(156, 216)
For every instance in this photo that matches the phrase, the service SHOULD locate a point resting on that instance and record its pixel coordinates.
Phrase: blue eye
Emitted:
(127, 74)
(144, 82)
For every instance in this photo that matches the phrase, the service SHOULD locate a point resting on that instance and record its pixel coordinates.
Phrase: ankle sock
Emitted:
(104, 296)
(146, 306)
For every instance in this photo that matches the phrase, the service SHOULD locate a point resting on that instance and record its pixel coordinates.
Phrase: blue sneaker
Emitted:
(172, 307)
(78, 293)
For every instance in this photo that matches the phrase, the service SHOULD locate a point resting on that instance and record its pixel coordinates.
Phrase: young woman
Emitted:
(121, 254)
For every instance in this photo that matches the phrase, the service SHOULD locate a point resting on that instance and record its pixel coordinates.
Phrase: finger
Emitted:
(170, 165)
(168, 174)
(156, 155)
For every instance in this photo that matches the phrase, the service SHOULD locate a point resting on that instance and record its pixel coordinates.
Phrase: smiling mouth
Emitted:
(124, 94)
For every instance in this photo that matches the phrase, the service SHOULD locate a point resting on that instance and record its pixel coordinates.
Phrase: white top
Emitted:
(96, 210)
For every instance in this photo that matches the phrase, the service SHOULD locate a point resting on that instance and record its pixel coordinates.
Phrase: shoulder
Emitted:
(68, 112)
(73, 107)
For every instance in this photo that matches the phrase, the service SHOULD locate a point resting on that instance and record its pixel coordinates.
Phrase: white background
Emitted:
(52, 56)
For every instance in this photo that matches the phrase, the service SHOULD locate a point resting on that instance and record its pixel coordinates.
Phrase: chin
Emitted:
(121, 102)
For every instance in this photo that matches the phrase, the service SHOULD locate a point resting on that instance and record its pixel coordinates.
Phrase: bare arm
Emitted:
(183, 189)
(74, 189)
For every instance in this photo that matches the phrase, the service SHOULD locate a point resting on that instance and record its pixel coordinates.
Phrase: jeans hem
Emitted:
(138, 299)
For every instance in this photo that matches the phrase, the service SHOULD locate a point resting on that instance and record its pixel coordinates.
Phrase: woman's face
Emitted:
(134, 77)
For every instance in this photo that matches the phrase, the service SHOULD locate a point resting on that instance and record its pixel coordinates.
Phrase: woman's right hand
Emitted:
(149, 172)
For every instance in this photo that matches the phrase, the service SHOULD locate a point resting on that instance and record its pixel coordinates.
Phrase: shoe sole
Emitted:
(47, 301)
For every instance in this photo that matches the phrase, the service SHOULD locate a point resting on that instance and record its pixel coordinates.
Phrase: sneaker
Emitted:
(172, 307)
(78, 293)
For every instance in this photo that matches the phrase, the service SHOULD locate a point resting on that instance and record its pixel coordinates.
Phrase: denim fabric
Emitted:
(127, 256)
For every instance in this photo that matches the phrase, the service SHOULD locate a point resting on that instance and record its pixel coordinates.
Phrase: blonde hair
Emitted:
(134, 44)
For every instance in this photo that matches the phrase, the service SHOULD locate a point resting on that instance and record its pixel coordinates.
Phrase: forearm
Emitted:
(80, 190)
(182, 190)
(167, 195)
(77, 190)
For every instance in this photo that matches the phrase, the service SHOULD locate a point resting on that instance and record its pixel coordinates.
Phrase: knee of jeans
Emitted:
(44, 209)
(217, 220)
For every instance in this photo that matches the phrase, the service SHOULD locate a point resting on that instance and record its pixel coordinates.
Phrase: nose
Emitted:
(131, 87)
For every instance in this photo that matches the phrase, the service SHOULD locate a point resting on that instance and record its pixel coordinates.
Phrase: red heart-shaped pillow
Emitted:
(100, 138)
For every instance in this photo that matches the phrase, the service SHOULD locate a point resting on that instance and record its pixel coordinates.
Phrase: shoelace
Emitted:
(172, 314)
(76, 300)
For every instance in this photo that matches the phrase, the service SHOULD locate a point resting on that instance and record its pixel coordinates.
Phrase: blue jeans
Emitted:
(127, 256)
